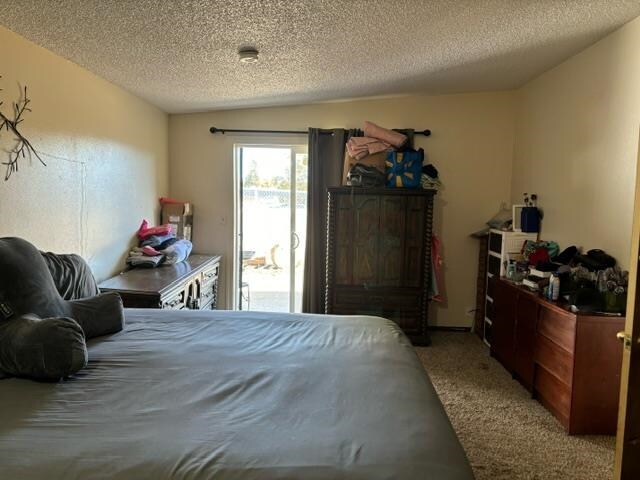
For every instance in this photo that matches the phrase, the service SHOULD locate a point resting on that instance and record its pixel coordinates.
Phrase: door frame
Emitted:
(295, 148)
(627, 463)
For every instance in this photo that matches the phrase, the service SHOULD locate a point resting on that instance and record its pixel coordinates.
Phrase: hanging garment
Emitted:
(436, 286)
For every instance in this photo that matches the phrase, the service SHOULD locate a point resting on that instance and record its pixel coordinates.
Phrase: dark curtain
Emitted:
(326, 157)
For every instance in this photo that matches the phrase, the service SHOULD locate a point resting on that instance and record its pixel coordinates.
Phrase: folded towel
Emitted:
(377, 147)
(396, 139)
(360, 147)
(177, 252)
(144, 261)
(368, 142)
(356, 152)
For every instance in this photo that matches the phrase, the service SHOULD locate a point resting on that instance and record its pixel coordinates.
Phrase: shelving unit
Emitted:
(501, 246)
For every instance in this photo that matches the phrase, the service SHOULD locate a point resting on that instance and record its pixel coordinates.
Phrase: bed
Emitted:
(234, 395)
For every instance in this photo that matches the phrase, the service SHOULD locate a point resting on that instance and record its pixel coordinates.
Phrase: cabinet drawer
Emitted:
(409, 321)
(558, 327)
(494, 266)
(175, 300)
(404, 301)
(554, 394)
(495, 242)
(352, 309)
(491, 286)
(358, 297)
(488, 334)
(489, 310)
(556, 360)
(210, 274)
(379, 298)
(208, 295)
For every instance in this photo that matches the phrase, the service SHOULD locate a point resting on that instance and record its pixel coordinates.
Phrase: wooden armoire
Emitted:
(379, 255)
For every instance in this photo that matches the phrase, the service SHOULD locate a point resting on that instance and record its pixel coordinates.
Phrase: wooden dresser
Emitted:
(379, 255)
(570, 362)
(192, 284)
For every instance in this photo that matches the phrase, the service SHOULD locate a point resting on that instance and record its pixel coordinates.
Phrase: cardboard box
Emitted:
(180, 217)
(376, 160)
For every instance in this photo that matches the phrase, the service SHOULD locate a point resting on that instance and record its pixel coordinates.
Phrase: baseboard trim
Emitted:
(449, 329)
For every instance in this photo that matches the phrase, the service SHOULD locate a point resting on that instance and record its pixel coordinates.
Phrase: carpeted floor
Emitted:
(506, 434)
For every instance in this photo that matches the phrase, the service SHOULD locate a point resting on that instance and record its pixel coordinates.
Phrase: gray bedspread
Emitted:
(233, 395)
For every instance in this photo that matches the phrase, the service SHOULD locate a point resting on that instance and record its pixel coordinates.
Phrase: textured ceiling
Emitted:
(182, 55)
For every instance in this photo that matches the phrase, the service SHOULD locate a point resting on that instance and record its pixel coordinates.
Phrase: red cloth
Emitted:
(168, 201)
(145, 231)
(150, 251)
(539, 255)
(437, 275)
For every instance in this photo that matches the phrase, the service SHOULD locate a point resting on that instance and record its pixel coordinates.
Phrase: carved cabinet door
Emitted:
(366, 245)
(393, 213)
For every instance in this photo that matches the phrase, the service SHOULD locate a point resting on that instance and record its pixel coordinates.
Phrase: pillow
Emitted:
(44, 349)
(392, 137)
(41, 334)
(71, 275)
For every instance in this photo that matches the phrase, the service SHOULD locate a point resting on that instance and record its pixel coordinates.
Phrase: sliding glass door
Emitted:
(271, 212)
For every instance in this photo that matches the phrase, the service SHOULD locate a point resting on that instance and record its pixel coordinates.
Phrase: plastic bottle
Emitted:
(601, 281)
(550, 287)
(556, 288)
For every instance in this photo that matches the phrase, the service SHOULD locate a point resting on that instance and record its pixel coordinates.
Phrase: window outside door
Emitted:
(271, 213)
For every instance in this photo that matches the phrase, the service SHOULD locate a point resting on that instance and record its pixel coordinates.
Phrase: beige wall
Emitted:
(570, 135)
(106, 152)
(576, 144)
(471, 145)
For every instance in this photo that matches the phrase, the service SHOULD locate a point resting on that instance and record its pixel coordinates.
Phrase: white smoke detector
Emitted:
(248, 55)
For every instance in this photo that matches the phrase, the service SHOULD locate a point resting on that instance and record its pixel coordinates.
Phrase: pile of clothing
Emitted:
(390, 153)
(158, 246)
(540, 253)
(375, 140)
(429, 179)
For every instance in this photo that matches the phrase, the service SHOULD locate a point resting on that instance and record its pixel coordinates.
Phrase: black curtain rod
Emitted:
(214, 130)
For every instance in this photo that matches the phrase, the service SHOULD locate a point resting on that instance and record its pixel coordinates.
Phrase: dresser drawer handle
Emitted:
(177, 301)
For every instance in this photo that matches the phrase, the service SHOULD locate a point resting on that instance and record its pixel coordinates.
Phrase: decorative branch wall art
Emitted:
(23, 147)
